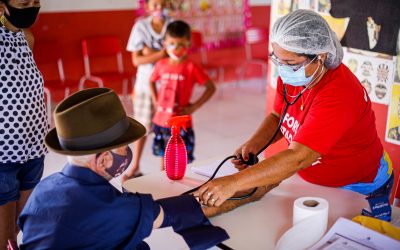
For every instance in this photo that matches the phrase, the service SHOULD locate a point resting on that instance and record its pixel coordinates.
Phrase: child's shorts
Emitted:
(17, 177)
(162, 135)
(143, 109)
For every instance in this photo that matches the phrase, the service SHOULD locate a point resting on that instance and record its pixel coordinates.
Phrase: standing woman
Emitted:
(23, 122)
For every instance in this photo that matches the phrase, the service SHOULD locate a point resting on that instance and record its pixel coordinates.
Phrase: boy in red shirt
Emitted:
(177, 76)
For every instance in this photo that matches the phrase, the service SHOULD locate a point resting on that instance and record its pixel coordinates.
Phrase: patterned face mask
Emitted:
(120, 163)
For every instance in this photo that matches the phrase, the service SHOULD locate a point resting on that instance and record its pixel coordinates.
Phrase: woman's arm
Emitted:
(146, 56)
(29, 37)
(259, 139)
(159, 220)
(267, 172)
(277, 167)
(231, 205)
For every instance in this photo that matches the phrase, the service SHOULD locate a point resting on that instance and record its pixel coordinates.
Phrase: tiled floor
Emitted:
(221, 125)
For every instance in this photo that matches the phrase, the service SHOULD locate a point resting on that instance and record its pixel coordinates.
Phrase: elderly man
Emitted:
(79, 208)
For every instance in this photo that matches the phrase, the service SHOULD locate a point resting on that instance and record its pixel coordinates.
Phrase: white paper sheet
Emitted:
(208, 170)
(348, 235)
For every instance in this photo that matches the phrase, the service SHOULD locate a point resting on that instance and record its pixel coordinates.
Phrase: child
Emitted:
(145, 43)
(177, 76)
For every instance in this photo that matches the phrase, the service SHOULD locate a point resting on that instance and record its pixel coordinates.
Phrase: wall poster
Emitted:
(221, 22)
(393, 120)
(374, 70)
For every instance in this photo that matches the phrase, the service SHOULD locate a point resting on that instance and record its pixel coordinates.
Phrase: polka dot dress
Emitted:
(23, 122)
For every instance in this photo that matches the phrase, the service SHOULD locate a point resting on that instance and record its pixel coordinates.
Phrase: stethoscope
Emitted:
(253, 159)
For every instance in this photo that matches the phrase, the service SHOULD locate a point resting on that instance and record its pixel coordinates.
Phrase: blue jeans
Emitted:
(382, 177)
(17, 177)
(378, 192)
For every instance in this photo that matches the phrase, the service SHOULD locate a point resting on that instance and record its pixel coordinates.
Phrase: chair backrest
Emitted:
(197, 40)
(104, 46)
(12, 245)
(197, 45)
(255, 35)
(48, 57)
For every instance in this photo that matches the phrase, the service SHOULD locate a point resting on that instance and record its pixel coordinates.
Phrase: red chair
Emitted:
(97, 49)
(12, 245)
(255, 36)
(49, 61)
(216, 72)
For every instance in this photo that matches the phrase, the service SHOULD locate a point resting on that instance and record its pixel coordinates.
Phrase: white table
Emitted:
(256, 225)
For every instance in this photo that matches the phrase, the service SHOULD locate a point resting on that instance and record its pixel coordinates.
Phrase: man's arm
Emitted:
(159, 220)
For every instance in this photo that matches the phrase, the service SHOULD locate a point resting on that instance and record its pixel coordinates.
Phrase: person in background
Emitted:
(78, 208)
(146, 45)
(23, 119)
(330, 129)
(177, 76)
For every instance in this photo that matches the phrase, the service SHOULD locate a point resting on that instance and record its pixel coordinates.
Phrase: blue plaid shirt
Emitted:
(77, 208)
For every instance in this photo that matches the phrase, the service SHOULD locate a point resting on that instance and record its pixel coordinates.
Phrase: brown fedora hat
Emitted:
(92, 121)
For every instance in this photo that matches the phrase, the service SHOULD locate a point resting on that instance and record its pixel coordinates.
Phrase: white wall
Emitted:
(96, 5)
(86, 5)
(259, 2)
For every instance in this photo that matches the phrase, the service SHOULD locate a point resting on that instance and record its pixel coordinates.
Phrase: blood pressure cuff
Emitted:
(185, 216)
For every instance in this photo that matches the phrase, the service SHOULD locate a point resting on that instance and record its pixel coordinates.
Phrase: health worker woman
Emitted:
(325, 116)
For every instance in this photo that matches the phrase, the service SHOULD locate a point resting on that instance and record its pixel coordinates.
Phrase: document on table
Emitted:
(208, 169)
(348, 235)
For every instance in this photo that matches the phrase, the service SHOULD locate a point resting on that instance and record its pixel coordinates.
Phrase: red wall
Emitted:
(68, 29)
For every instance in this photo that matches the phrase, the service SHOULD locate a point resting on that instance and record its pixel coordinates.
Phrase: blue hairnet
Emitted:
(306, 32)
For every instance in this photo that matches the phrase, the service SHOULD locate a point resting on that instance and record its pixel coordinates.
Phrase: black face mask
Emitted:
(22, 18)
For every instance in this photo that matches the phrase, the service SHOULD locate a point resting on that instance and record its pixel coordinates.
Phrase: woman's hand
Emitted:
(215, 192)
(231, 205)
(244, 151)
(3, 9)
(147, 51)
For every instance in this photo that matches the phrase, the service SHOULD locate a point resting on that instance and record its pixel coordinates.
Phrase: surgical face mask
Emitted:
(175, 53)
(120, 163)
(22, 18)
(295, 78)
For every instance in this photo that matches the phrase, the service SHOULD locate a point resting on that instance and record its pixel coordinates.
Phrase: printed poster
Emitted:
(221, 22)
(397, 74)
(393, 120)
(375, 72)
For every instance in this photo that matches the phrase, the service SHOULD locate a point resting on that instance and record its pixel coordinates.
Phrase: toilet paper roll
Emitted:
(310, 220)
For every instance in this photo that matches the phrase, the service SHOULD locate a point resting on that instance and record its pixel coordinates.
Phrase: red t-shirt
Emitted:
(176, 86)
(337, 122)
